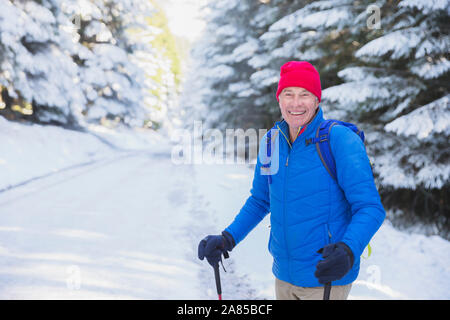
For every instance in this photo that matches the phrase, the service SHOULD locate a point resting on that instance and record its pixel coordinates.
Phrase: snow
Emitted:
(433, 118)
(221, 72)
(99, 30)
(372, 92)
(258, 61)
(286, 24)
(428, 70)
(326, 18)
(226, 30)
(265, 77)
(400, 43)
(392, 174)
(105, 214)
(306, 17)
(433, 46)
(31, 151)
(245, 50)
(23, 157)
(344, 93)
(426, 6)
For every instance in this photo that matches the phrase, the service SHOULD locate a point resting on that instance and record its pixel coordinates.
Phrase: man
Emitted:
(319, 225)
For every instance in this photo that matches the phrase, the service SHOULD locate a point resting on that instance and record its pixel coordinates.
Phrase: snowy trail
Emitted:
(215, 202)
(109, 231)
(123, 227)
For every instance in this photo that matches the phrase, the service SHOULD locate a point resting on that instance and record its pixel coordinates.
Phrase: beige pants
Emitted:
(287, 291)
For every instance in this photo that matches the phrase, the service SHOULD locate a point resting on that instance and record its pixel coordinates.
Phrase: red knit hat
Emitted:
(300, 74)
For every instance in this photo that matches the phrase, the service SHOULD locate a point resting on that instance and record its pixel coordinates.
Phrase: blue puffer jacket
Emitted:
(309, 209)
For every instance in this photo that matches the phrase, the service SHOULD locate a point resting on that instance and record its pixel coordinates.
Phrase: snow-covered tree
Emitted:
(398, 90)
(163, 70)
(112, 81)
(34, 64)
(68, 62)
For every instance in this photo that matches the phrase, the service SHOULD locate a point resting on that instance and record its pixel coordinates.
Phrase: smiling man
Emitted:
(298, 107)
(299, 93)
(320, 223)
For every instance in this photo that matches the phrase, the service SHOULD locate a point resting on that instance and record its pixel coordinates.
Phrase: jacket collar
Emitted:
(309, 131)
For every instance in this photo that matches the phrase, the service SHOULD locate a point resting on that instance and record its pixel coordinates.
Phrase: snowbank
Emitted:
(29, 151)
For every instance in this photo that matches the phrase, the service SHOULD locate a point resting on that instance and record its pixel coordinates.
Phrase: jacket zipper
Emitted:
(328, 233)
(290, 147)
(284, 215)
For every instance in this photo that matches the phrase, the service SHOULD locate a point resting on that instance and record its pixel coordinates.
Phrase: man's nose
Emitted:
(297, 101)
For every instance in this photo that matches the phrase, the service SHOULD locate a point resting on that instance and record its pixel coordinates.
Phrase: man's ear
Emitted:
(317, 106)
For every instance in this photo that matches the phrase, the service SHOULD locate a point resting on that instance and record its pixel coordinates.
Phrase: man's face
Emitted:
(298, 106)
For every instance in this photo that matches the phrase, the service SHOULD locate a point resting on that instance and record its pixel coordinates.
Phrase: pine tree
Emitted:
(37, 76)
(68, 62)
(165, 76)
(113, 83)
(398, 90)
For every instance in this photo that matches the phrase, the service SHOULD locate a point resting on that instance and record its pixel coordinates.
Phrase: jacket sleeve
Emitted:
(256, 207)
(354, 175)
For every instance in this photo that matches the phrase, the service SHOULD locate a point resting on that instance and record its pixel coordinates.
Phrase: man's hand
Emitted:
(338, 260)
(213, 246)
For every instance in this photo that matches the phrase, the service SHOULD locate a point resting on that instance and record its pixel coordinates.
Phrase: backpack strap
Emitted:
(322, 142)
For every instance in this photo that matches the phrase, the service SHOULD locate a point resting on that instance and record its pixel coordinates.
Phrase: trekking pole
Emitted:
(326, 291)
(217, 276)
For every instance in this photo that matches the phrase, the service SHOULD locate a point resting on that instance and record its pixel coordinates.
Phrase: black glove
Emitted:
(212, 247)
(338, 261)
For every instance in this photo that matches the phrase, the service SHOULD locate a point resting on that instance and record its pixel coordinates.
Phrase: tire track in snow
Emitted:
(71, 172)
